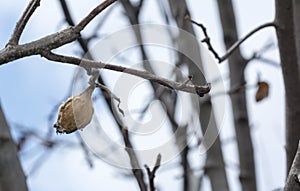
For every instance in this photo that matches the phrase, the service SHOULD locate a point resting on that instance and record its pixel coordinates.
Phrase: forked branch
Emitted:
(234, 46)
(136, 170)
(84, 22)
(14, 40)
(151, 173)
(50, 42)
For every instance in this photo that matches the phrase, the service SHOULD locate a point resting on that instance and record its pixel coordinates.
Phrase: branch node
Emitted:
(200, 90)
(234, 46)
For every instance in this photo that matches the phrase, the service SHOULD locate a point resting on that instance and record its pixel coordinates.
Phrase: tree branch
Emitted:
(93, 14)
(151, 173)
(136, 170)
(235, 45)
(86, 151)
(66, 12)
(14, 40)
(196, 89)
(52, 41)
(11, 53)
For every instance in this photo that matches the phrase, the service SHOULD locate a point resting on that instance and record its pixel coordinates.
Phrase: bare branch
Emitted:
(86, 151)
(265, 60)
(112, 95)
(136, 170)
(49, 42)
(14, 40)
(151, 173)
(258, 55)
(234, 46)
(140, 4)
(52, 41)
(93, 14)
(206, 39)
(67, 13)
(196, 89)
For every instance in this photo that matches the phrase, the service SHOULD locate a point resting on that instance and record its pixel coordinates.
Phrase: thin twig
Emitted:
(196, 89)
(86, 151)
(112, 95)
(151, 173)
(206, 39)
(258, 55)
(136, 170)
(235, 45)
(235, 90)
(265, 60)
(14, 40)
(67, 13)
(70, 21)
(139, 6)
(93, 14)
(82, 41)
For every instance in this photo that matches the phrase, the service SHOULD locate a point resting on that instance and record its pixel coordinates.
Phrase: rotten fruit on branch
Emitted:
(76, 113)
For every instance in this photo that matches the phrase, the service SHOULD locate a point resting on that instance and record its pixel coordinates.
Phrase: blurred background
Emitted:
(32, 89)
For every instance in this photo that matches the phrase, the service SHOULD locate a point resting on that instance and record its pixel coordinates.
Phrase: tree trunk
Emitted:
(12, 177)
(237, 66)
(214, 165)
(293, 180)
(296, 6)
(290, 69)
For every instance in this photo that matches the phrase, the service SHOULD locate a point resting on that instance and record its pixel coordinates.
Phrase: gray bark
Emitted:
(237, 65)
(290, 69)
(214, 165)
(12, 177)
(293, 180)
(296, 6)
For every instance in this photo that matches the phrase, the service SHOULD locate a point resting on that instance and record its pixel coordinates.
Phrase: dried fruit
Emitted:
(76, 112)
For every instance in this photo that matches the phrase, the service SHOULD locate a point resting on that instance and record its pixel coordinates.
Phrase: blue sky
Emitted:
(30, 87)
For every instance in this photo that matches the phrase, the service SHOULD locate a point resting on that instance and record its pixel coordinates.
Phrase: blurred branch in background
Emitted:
(214, 163)
(136, 167)
(167, 97)
(192, 168)
(233, 47)
(151, 173)
(237, 64)
(11, 170)
(137, 172)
